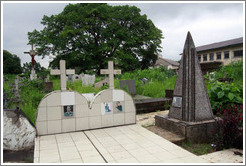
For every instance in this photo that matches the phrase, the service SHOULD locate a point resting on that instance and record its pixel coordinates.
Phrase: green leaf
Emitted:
(221, 94)
(231, 96)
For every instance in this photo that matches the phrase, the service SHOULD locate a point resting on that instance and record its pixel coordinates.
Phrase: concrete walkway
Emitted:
(125, 144)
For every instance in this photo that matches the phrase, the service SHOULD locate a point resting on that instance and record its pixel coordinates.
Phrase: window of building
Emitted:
(204, 57)
(226, 55)
(211, 56)
(199, 58)
(218, 54)
(238, 53)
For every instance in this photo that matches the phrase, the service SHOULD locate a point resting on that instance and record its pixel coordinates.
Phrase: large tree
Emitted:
(88, 35)
(11, 63)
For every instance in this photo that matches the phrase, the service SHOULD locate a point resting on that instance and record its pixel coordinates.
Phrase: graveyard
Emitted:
(103, 99)
(82, 101)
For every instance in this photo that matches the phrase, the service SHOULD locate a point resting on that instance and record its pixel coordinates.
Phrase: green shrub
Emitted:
(234, 70)
(222, 95)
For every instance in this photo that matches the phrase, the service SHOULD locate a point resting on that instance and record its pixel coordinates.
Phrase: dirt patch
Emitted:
(148, 119)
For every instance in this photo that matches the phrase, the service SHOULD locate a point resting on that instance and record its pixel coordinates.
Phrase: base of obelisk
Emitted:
(197, 132)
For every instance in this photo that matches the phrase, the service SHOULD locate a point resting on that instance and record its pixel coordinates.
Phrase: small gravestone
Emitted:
(75, 77)
(190, 114)
(18, 132)
(130, 84)
(169, 93)
(145, 81)
(102, 83)
(87, 79)
(48, 85)
(69, 78)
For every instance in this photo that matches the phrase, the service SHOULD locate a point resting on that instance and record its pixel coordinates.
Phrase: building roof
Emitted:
(220, 44)
(163, 61)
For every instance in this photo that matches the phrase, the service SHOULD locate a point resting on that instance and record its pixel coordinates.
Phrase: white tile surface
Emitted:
(96, 110)
(43, 103)
(107, 120)
(54, 99)
(68, 125)
(95, 122)
(54, 113)
(41, 127)
(107, 96)
(54, 126)
(130, 106)
(119, 119)
(130, 118)
(82, 111)
(67, 98)
(140, 146)
(79, 99)
(118, 95)
(82, 123)
(41, 116)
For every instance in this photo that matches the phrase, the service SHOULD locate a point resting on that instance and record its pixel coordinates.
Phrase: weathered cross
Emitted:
(62, 72)
(110, 71)
(32, 53)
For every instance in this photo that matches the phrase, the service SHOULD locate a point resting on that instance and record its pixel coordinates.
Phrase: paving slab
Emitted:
(124, 144)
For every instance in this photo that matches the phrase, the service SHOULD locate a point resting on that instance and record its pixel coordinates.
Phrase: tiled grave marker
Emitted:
(110, 71)
(62, 72)
(67, 111)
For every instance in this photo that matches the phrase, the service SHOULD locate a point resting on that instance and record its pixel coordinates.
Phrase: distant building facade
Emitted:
(224, 52)
(168, 63)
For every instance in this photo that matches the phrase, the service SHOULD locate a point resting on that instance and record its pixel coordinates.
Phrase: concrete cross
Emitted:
(32, 53)
(110, 71)
(63, 72)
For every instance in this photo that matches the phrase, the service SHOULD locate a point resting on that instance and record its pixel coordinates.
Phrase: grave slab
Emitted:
(124, 144)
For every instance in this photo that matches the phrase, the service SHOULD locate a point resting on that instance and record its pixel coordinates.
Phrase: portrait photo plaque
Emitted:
(68, 111)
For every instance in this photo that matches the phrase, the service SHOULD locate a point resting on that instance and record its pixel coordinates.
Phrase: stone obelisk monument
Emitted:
(190, 98)
(190, 113)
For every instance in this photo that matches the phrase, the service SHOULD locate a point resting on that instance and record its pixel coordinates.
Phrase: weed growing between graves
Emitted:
(159, 79)
(198, 149)
(31, 94)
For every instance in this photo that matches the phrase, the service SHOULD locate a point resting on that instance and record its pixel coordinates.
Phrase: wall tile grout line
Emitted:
(95, 147)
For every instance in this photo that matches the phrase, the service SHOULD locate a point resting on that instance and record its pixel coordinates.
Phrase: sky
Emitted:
(207, 22)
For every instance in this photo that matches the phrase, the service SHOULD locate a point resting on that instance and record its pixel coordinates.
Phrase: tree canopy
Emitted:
(11, 63)
(88, 35)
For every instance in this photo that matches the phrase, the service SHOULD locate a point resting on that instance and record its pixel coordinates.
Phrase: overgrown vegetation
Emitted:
(159, 79)
(226, 94)
(230, 127)
(198, 149)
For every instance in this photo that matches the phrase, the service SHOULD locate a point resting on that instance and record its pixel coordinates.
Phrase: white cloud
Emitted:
(207, 22)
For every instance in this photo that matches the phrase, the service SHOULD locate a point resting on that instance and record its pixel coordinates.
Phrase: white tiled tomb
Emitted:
(68, 111)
